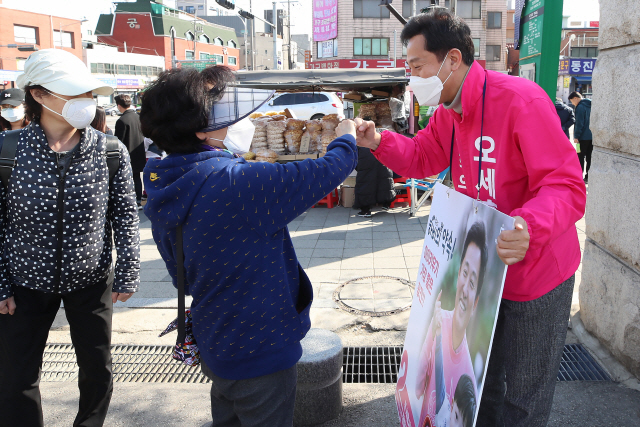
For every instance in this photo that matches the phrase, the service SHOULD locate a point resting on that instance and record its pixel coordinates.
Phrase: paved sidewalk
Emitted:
(334, 245)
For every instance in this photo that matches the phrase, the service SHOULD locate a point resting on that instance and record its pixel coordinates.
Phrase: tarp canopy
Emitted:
(337, 79)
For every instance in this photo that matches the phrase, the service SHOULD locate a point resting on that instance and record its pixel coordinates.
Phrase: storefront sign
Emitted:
(133, 23)
(307, 59)
(128, 83)
(325, 20)
(110, 81)
(594, 24)
(576, 66)
(9, 75)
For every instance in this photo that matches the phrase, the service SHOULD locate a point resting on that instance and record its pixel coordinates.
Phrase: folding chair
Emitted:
(426, 185)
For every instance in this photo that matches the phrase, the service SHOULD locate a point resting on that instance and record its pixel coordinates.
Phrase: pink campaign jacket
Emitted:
(529, 169)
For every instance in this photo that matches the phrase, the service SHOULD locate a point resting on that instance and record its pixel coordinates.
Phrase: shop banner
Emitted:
(360, 63)
(325, 20)
(9, 75)
(453, 315)
(576, 66)
(132, 83)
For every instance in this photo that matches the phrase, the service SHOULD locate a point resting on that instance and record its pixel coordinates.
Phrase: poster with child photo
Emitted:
(453, 315)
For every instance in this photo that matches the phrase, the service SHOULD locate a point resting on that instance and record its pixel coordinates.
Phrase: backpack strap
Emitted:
(8, 155)
(113, 155)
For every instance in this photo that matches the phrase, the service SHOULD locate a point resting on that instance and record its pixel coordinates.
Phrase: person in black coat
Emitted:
(566, 114)
(374, 183)
(129, 132)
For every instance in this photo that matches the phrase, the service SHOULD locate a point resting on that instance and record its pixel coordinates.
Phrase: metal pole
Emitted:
(395, 38)
(246, 46)
(413, 9)
(60, 34)
(253, 46)
(274, 32)
(288, 34)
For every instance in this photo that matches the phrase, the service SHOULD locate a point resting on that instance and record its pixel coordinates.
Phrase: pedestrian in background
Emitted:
(251, 297)
(58, 219)
(567, 116)
(582, 132)
(12, 114)
(128, 131)
(99, 122)
(535, 179)
(374, 183)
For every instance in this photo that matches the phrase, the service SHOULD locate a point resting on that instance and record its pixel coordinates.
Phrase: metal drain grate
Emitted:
(371, 364)
(153, 364)
(131, 363)
(578, 365)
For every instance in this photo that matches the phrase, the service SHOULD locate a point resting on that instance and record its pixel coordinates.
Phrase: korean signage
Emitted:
(457, 294)
(9, 75)
(133, 83)
(594, 24)
(328, 49)
(199, 64)
(532, 28)
(307, 59)
(110, 81)
(133, 23)
(576, 66)
(325, 20)
(359, 63)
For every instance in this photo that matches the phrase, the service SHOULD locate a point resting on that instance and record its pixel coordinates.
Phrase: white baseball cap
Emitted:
(61, 72)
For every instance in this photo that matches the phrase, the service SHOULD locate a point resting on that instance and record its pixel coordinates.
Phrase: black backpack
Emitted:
(10, 145)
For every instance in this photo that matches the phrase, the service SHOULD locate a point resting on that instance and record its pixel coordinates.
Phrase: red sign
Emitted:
(360, 63)
(594, 24)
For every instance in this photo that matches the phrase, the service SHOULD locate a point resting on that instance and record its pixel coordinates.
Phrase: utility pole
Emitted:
(413, 9)
(288, 33)
(253, 31)
(274, 32)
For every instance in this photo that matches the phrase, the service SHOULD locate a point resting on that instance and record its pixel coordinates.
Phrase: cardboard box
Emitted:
(347, 196)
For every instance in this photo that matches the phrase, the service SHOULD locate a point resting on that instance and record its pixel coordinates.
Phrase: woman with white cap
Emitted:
(58, 212)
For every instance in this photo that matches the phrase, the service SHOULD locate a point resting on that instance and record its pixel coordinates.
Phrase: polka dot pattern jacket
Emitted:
(57, 231)
(251, 297)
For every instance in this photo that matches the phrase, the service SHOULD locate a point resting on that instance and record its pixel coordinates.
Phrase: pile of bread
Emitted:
(378, 112)
(276, 134)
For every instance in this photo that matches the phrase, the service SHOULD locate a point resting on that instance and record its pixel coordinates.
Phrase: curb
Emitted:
(602, 355)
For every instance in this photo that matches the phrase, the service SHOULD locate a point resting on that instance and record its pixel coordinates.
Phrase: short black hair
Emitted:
(123, 100)
(442, 32)
(32, 108)
(478, 236)
(574, 95)
(465, 398)
(100, 120)
(178, 104)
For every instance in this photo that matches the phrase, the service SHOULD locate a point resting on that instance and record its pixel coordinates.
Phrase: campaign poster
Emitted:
(453, 315)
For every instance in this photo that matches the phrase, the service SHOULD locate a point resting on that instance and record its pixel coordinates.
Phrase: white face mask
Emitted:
(78, 112)
(428, 91)
(239, 136)
(13, 114)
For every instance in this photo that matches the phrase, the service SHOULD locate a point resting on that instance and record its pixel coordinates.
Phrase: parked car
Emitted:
(306, 105)
(111, 110)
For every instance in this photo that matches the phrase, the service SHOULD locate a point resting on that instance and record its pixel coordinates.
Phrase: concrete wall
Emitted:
(610, 289)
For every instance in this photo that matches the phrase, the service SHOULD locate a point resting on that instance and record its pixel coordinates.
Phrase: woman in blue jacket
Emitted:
(251, 298)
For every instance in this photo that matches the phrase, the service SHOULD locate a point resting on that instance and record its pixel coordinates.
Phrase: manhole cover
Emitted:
(374, 296)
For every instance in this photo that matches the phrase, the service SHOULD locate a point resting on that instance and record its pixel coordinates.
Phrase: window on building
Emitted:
(188, 35)
(203, 55)
(23, 34)
(494, 20)
(370, 47)
(94, 68)
(231, 43)
(447, 4)
(232, 60)
(190, 9)
(20, 63)
(189, 55)
(203, 38)
(407, 7)
(200, 7)
(218, 41)
(181, 8)
(369, 9)
(64, 39)
(493, 52)
(469, 9)
(219, 59)
(584, 52)
(476, 48)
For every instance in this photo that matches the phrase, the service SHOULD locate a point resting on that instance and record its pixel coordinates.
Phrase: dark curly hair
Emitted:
(442, 32)
(178, 104)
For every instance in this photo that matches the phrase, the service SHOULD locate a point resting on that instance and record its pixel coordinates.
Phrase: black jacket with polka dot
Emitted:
(57, 230)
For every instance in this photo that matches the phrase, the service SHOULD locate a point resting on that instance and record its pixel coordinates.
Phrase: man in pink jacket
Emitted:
(524, 167)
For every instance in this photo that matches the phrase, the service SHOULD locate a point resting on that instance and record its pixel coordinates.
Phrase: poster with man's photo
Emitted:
(454, 311)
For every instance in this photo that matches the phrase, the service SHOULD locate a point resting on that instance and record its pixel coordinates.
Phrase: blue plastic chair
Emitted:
(426, 185)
